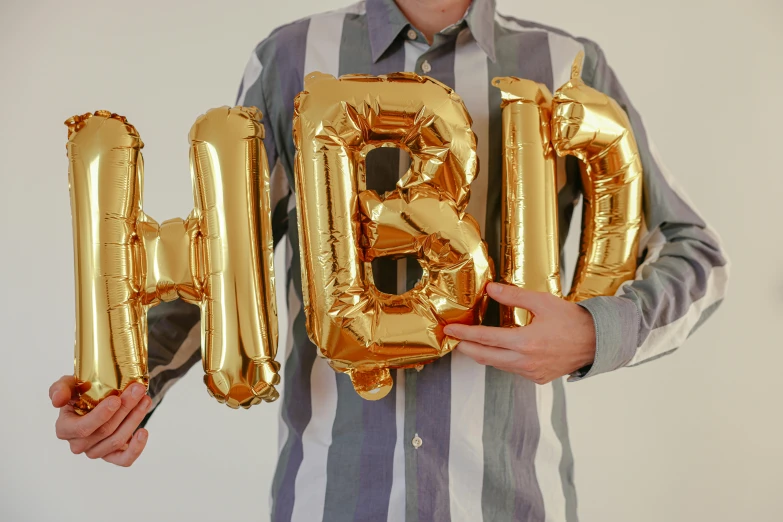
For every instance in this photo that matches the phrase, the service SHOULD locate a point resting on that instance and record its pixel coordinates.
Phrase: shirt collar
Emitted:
(385, 21)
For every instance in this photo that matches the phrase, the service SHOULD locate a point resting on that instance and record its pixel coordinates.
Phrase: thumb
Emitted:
(511, 295)
(62, 391)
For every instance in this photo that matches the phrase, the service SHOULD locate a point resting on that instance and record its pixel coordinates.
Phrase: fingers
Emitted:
(509, 295)
(62, 390)
(490, 356)
(70, 426)
(130, 398)
(128, 455)
(116, 440)
(511, 338)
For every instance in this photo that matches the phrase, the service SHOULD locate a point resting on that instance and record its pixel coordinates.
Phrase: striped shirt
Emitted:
(457, 440)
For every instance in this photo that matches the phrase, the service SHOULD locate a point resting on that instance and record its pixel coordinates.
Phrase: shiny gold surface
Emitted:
(105, 187)
(593, 127)
(125, 262)
(238, 307)
(342, 226)
(530, 251)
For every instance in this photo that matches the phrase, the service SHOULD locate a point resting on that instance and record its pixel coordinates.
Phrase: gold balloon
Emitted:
(343, 227)
(593, 127)
(530, 251)
(220, 257)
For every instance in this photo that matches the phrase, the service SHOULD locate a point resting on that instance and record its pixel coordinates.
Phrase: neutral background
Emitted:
(694, 436)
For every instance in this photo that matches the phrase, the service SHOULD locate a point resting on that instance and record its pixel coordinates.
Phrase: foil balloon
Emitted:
(219, 258)
(593, 127)
(343, 227)
(530, 251)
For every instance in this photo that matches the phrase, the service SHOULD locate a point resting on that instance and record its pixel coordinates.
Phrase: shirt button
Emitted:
(426, 67)
(417, 442)
(412, 34)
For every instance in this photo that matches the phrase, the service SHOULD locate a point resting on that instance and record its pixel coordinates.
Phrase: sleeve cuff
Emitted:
(617, 322)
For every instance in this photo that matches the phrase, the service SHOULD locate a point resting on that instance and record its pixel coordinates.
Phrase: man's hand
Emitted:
(106, 432)
(559, 340)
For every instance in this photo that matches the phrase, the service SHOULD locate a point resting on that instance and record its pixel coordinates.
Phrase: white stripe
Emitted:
(397, 493)
(282, 427)
(466, 453)
(252, 73)
(413, 51)
(310, 486)
(322, 54)
(294, 306)
(672, 335)
(470, 82)
(283, 298)
(188, 347)
(562, 51)
(508, 23)
(548, 455)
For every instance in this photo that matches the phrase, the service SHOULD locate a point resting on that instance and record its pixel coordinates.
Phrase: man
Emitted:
(480, 434)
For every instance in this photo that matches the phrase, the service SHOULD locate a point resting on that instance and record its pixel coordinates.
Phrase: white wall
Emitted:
(695, 436)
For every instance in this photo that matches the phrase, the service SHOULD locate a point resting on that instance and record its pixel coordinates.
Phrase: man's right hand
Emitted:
(106, 432)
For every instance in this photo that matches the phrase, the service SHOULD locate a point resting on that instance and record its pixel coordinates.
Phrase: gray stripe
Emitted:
(511, 491)
(380, 417)
(385, 21)
(376, 459)
(343, 468)
(411, 453)
(284, 71)
(497, 495)
(497, 498)
(358, 482)
(560, 425)
(433, 394)
(283, 57)
(528, 500)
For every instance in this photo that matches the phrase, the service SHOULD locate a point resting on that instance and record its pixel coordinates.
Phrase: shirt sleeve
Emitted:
(683, 270)
(174, 339)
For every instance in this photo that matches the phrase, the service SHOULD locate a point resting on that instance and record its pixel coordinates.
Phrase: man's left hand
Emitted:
(559, 340)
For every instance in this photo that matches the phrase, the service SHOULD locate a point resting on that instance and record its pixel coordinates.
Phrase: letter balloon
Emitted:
(343, 227)
(592, 126)
(219, 258)
(585, 123)
(530, 249)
